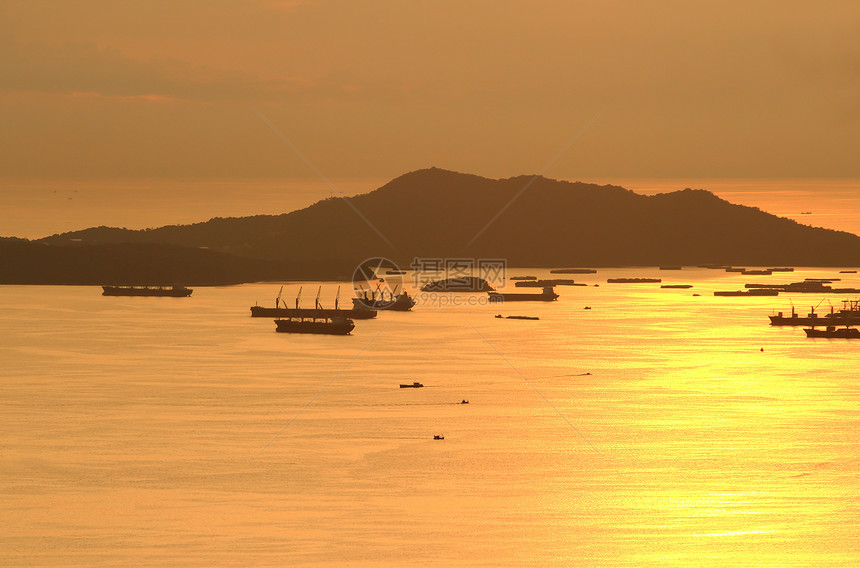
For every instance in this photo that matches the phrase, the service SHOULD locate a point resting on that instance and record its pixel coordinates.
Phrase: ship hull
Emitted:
(400, 304)
(334, 327)
(174, 292)
(838, 333)
(497, 297)
(261, 312)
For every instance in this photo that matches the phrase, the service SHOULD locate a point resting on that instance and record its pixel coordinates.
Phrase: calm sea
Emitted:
(657, 428)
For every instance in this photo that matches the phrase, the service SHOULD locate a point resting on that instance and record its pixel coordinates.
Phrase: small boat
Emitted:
(165, 291)
(834, 332)
(325, 326)
(438, 437)
(415, 385)
(518, 317)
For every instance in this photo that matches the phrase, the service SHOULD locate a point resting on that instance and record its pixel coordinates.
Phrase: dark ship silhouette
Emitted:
(283, 311)
(378, 300)
(169, 291)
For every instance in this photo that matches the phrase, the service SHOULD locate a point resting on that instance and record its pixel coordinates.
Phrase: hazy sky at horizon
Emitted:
(98, 88)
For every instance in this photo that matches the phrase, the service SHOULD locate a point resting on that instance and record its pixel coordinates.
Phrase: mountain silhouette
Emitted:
(527, 220)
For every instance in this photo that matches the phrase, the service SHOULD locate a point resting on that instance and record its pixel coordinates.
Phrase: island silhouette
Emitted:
(435, 213)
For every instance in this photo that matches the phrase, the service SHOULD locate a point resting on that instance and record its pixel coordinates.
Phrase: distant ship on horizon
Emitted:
(168, 291)
(548, 295)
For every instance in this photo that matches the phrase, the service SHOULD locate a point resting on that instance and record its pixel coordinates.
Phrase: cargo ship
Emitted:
(327, 326)
(169, 291)
(377, 300)
(835, 332)
(281, 310)
(548, 295)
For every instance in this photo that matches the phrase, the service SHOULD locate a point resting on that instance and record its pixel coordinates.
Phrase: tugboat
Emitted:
(171, 291)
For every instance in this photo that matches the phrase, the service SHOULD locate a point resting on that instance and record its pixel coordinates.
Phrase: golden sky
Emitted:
(160, 88)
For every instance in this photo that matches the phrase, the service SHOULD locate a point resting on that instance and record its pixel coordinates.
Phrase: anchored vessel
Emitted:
(547, 282)
(327, 326)
(283, 311)
(548, 295)
(573, 271)
(848, 315)
(377, 300)
(459, 284)
(171, 291)
(832, 331)
(750, 292)
(632, 280)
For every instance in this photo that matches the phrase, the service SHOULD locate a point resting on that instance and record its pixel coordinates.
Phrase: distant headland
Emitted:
(433, 213)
